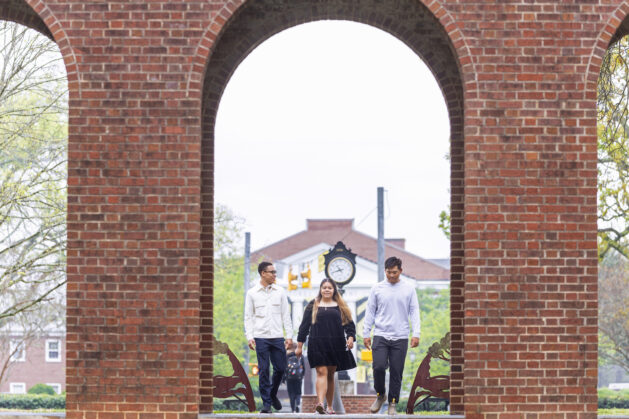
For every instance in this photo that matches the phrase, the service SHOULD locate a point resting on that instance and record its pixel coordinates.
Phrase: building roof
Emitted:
(331, 231)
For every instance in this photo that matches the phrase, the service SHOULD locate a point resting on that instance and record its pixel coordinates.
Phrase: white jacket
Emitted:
(266, 311)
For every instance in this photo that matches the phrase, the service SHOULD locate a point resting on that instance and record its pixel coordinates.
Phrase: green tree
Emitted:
(229, 298)
(229, 290)
(613, 150)
(614, 310)
(33, 173)
(613, 204)
(444, 222)
(435, 323)
(41, 389)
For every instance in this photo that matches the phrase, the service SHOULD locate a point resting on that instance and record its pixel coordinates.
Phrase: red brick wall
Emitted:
(353, 404)
(519, 79)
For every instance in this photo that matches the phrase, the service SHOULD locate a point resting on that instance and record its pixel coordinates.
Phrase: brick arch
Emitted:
(36, 15)
(240, 27)
(231, 9)
(615, 27)
(19, 11)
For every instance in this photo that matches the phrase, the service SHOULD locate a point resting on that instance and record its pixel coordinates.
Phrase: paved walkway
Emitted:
(314, 415)
(30, 415)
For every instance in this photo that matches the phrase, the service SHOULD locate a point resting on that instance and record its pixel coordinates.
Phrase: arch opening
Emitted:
(613, 211)
(33, 154)
(414, 25)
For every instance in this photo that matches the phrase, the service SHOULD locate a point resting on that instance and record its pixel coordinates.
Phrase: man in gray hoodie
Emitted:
(391, 304)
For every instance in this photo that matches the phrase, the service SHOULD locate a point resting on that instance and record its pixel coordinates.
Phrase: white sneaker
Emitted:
(377, 405)
(392, 410)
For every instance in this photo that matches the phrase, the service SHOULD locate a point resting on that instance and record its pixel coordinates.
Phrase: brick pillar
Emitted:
(530, 212)
(133, 209)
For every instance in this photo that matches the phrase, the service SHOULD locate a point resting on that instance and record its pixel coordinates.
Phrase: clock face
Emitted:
(340, 269)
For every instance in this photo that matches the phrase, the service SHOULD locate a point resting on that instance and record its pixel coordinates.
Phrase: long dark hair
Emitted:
(346, 314)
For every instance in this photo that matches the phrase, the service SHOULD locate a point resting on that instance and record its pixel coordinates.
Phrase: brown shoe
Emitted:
(392, 410)
(319, 409)
(377, 405)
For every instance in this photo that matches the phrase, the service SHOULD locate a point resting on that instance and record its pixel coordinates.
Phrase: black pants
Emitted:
(294, 394)
(388, 354)
(270, 350)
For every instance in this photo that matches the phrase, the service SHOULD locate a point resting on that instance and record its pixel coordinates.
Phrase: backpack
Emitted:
(294, 368)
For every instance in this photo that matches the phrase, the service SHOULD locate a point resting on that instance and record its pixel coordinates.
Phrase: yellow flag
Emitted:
(322, 261)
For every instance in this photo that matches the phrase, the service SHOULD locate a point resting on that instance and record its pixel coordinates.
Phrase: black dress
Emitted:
(327, 344)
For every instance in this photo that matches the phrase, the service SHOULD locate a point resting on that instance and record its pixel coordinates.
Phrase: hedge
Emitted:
(607, 399)
(41, 389)
(613, 399)
(32, 401)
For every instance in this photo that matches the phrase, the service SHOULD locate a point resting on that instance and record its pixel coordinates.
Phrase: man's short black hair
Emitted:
(262, 266)
(392, 262)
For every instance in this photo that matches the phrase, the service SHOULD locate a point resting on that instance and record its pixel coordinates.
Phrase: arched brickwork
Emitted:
(20, 12)
(529, 82)
(254, 22)
(616, 27)
(36, 15)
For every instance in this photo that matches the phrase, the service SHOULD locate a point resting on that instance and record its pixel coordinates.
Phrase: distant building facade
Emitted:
(31, 361)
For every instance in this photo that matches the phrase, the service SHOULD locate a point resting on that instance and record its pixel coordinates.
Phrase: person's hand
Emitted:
(252, 344)
(288, 344)
(367, 343)
(414, 342)
(298, 352)
(350, 342)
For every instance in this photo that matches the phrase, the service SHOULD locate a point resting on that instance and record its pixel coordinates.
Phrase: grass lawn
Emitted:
(613, 412)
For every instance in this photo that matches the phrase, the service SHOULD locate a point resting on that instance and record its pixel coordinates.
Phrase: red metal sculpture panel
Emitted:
(228, 386)
(424, 385)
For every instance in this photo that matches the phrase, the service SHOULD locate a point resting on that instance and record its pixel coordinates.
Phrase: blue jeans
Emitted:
(273, 350)
(294, 394)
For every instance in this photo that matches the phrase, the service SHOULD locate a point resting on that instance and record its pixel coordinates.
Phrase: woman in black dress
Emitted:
(328, 321)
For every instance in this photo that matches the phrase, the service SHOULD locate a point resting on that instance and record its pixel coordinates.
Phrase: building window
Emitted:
(18, 351)
(53, 350)
(17, 388)
(55, 386)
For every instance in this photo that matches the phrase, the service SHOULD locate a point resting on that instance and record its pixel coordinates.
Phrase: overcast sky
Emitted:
(320, 115)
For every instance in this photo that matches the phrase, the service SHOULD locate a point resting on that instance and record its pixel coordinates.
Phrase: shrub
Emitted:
(32, 401)
(431, 405)
(233, 405)
(613, 399)
(41, 389)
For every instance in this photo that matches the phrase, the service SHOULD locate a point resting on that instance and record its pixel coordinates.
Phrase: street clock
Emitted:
(340, 264)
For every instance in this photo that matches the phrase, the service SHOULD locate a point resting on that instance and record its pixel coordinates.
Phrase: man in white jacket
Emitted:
(266, 313)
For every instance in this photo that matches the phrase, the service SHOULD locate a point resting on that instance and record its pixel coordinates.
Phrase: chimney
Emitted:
(330, 224)
(401, 243)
